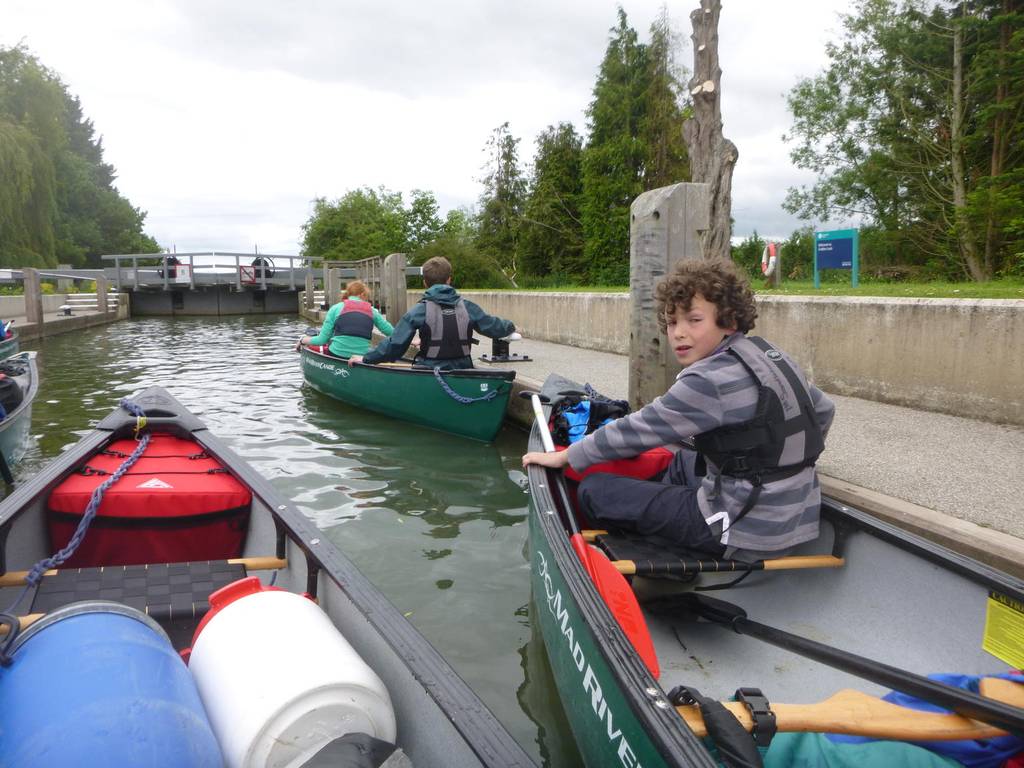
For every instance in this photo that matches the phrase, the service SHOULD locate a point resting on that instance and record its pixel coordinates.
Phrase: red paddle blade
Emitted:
(620, 599)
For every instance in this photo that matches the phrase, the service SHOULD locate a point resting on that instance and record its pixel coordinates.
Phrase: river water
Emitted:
(437, 522)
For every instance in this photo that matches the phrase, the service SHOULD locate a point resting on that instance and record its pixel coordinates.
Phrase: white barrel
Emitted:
(279, 681)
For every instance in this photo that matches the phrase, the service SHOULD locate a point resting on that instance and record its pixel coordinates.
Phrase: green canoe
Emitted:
(867, 606)
(9, 345)
(470, 402)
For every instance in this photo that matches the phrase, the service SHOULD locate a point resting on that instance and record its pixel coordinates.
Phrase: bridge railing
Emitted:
(179, 270)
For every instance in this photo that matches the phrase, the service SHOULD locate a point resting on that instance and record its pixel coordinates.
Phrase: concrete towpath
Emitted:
(953, 480)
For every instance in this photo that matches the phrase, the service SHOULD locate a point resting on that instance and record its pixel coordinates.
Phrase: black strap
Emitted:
(736, 748)
(761, 713)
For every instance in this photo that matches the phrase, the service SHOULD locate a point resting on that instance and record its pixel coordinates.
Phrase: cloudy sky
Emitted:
(226, 118)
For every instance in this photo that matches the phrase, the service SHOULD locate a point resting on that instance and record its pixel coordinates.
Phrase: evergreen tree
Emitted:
(501, 204)
(552, 233)
(613, 161)
(666, 161)
(636, 142)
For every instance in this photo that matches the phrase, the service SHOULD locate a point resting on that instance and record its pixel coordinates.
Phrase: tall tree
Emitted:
(551, 231)
(712, 156)
(666, 160)
(422, 223)
(58, 202)
(501, 204)
(915, 127)
(613, 161)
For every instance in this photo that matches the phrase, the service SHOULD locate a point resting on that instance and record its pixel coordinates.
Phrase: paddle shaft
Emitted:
(962, 702)
(17, 578)
(795, 562)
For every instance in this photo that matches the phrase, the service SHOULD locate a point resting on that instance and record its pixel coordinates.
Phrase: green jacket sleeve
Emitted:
(488, 325)
(393, 347)
(327, 331)
(382, 324)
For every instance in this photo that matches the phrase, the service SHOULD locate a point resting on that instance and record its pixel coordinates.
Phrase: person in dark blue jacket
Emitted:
(445, 322)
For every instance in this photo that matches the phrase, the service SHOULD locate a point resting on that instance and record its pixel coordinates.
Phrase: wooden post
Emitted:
(101, 295)
(310, 288)
(393, 287)
(64, 283)
(33, 296)
(665, 227)
(712, 156)
(332, 290)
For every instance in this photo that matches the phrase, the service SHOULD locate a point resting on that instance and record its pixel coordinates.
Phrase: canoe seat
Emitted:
(635, 555)
(175, 594)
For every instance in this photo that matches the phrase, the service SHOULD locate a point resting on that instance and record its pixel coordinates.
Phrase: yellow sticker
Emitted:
(1004, 629)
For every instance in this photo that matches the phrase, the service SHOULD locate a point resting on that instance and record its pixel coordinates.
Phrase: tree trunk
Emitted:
(964, 231)
(712, 156)
(999, 138)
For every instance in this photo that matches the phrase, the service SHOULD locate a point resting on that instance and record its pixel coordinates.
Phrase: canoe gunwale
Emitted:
(842, 515)
(470, 373)
(664, 727)
(482, 733)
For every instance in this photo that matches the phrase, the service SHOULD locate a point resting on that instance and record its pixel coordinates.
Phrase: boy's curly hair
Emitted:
(718, 281)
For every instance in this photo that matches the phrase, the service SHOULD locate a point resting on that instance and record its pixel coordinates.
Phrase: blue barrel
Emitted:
(99, 684)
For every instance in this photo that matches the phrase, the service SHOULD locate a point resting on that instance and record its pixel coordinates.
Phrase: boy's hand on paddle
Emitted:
(555, 460)
(355, 359)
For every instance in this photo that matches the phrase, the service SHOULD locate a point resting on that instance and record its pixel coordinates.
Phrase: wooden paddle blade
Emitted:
(854, 713)
(621, 600)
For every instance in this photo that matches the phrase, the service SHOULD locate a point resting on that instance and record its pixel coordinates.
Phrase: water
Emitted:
(437, 522)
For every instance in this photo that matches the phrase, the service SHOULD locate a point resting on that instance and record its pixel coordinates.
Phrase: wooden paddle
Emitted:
(16, 578)
(611, 585)
(796, 562)
(857, 714)
(1007, 717)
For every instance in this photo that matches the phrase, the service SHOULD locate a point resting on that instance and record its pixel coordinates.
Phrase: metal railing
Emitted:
(207, 268)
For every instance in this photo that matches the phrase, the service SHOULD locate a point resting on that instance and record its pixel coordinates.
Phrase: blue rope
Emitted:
(37, 571)
(35, 575)
(461, 398)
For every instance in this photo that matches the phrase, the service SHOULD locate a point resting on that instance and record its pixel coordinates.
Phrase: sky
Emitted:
(225, 119)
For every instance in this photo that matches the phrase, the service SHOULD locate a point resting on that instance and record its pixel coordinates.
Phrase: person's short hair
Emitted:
(356, 288)
(436, 270)
(718, 281)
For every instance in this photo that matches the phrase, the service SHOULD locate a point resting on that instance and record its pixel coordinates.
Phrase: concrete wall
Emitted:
(958, 356)
(14, 306)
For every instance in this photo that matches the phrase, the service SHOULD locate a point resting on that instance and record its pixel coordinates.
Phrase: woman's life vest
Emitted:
(782, 439)
(446, 334)
(355, 319)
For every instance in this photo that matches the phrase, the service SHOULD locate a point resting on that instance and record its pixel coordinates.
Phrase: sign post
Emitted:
(837, 249)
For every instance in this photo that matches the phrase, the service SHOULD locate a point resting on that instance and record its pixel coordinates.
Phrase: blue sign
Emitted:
(837, 249)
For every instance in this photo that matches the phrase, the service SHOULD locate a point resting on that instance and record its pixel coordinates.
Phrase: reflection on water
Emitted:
(437, 522)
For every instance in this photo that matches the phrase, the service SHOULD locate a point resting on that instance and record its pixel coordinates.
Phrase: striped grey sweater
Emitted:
(714, 392)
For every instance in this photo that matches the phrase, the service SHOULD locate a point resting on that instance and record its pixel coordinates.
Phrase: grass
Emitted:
(996, 289)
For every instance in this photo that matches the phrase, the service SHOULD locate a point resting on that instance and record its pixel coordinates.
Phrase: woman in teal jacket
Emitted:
(349, 324)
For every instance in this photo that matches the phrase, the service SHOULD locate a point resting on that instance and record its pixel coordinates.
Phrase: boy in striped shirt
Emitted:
(751, 491)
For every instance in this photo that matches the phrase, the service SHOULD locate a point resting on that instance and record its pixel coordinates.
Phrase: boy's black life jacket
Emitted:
(447, 333)
(783, 438)
(355, 319)
(10, 394)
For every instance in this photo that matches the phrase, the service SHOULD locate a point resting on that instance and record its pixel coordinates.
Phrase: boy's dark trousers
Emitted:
(665, 511)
